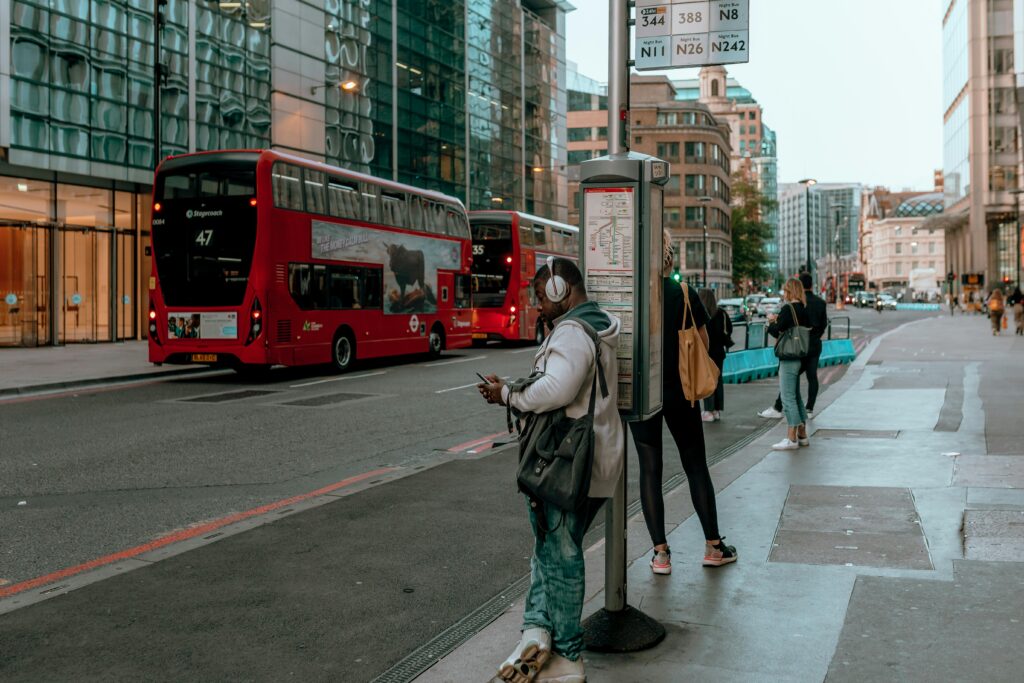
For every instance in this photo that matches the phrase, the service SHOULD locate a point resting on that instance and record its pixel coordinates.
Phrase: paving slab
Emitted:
(990, 471)
(994, 535)
(971, 629)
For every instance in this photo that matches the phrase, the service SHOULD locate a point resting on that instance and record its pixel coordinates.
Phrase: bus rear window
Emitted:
(207, 183)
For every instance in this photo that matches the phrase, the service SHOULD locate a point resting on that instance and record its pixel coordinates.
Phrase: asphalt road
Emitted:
(100, 471)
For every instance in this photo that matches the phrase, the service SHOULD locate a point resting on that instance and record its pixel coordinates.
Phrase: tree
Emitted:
(749, 231)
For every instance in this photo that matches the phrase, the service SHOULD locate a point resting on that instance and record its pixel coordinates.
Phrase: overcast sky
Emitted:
(853, 89)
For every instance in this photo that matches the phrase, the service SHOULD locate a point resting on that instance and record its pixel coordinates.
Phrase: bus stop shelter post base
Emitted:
(617, 627)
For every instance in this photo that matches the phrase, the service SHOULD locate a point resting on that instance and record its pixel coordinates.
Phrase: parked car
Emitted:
(770, 305)
(734, 309)
(750, 304)
(888, 301)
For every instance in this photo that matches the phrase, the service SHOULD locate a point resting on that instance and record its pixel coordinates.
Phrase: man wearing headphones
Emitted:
(552, 641)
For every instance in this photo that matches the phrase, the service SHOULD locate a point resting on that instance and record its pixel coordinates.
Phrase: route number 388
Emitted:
(690, 17)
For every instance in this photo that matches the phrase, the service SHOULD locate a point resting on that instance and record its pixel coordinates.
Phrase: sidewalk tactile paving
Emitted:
(852, 526)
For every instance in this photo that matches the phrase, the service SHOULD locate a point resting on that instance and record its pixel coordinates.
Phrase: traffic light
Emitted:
(677, 276)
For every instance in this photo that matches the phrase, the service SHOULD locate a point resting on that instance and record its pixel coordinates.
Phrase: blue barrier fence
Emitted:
(918, 307)
(752, 364)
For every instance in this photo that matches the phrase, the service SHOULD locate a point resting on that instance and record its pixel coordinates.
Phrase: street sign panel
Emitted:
(687, 33)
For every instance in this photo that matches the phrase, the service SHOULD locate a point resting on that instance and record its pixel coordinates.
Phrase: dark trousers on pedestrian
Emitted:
(716, 401)
(808, 367)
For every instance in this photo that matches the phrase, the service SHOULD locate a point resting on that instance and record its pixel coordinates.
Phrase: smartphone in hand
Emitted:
(482, 378)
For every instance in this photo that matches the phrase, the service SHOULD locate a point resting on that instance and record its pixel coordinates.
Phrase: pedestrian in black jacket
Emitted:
(719, 340)
(817, 313)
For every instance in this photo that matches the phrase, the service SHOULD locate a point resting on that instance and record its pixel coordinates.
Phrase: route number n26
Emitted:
(689, 49)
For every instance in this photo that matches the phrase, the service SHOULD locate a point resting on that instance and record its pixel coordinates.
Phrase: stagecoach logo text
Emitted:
(202, 214)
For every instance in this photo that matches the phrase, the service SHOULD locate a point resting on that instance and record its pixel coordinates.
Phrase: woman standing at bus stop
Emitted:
(719, 341)
(684, 423)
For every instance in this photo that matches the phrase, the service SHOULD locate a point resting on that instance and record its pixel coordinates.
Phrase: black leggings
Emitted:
(688, 432)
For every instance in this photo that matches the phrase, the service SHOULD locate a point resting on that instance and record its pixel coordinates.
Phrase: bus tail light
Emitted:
(255, 321)
(512, 316)
(152, 324)
(508, 260)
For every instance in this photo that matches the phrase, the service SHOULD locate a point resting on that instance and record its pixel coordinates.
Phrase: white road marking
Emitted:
(452, 362)
(464, 386)
(526, 350)
(338, 379)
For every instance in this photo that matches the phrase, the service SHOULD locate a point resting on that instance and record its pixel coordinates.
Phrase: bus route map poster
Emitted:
(410, 262)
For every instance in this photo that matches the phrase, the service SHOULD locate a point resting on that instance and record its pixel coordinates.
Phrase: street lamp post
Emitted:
(704, 201)
(807, 183)
(1016, 205)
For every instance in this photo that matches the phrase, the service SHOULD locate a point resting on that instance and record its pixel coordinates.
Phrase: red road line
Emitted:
(182, 535)
(475, 442)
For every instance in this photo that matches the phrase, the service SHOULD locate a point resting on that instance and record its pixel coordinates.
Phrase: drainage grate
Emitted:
(424, 657)
(856, 433)
(230, 396)
(326, 400)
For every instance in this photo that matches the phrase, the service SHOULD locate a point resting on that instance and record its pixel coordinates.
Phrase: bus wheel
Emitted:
(343, 351)
(436, 341)
(540, 333)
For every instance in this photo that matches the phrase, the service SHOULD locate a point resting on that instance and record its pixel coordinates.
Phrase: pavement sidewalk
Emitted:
(890, 549)
(50, 368)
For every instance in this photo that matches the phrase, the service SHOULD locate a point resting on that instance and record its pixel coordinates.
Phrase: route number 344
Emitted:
(652, 20)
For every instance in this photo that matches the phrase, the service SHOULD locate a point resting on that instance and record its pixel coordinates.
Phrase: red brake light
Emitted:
(157, 207)
(508, 259)
(152, 315)
(512, 309)
(256, 315)
(252, 202)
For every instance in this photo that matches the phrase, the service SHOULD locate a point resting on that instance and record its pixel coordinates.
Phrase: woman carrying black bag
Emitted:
(793, 313)
(719, 341)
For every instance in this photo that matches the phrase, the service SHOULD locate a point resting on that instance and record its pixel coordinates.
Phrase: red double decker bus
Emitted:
(508, 248)
(262, 258)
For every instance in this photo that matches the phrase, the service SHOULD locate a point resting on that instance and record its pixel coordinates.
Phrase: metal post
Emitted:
(618, 74)
(807, 196)
(615, 538)
(705, 278)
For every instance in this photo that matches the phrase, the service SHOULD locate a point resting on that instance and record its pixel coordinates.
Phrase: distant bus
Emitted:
(262, 258)
(850, 284)
(508, 248)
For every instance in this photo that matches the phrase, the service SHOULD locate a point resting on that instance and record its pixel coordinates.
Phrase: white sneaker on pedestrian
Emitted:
(786, 445)
(718, 415)
(706, 416)
(810, 414)
(528, 658)
(561, 670)
(770, 414)
(804, 441)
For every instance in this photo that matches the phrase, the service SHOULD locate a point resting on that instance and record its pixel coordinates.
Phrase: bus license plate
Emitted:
(204, 358)
(479, 335)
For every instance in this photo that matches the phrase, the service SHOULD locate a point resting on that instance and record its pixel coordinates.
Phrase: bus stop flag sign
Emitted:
(691, 33)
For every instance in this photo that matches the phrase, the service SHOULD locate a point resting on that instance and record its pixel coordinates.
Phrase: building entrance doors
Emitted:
(24, 284)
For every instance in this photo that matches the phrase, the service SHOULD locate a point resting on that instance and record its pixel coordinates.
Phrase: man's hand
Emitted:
(491, 391)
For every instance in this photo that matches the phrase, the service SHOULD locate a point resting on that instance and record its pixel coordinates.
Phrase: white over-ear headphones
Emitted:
(556, 288)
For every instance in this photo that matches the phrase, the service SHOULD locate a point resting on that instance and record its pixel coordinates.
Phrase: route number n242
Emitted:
(726, 46)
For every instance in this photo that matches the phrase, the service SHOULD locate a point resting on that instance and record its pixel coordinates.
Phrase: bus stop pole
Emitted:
(619, 627)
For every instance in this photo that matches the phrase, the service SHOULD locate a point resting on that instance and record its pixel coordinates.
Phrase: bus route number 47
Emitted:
(204, 237)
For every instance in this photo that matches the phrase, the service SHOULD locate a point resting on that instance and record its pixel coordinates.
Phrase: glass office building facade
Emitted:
(462, 96)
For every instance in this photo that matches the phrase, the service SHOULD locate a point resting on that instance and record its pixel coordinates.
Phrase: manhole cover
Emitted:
(326, 400)
(230, 396)
(856, 433)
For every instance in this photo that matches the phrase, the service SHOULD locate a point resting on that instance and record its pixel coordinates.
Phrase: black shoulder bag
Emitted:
(556, 452)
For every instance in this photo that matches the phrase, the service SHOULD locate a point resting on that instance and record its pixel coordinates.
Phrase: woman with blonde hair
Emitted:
(793, 313)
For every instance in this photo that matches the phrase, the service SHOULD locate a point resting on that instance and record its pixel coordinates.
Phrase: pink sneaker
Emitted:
(661, 563)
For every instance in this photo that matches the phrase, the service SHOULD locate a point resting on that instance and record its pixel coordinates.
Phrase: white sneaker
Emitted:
(528, 658)
(804, 441)
(718, 415)
(786, 445)
(561, 670)
(810, 414)
(770, 414)
(706, 416)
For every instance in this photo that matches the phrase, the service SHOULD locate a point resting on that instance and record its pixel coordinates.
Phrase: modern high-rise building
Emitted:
(817, 221)
(696, 145)
(754, 148)
(463, 96)
(983, 72)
